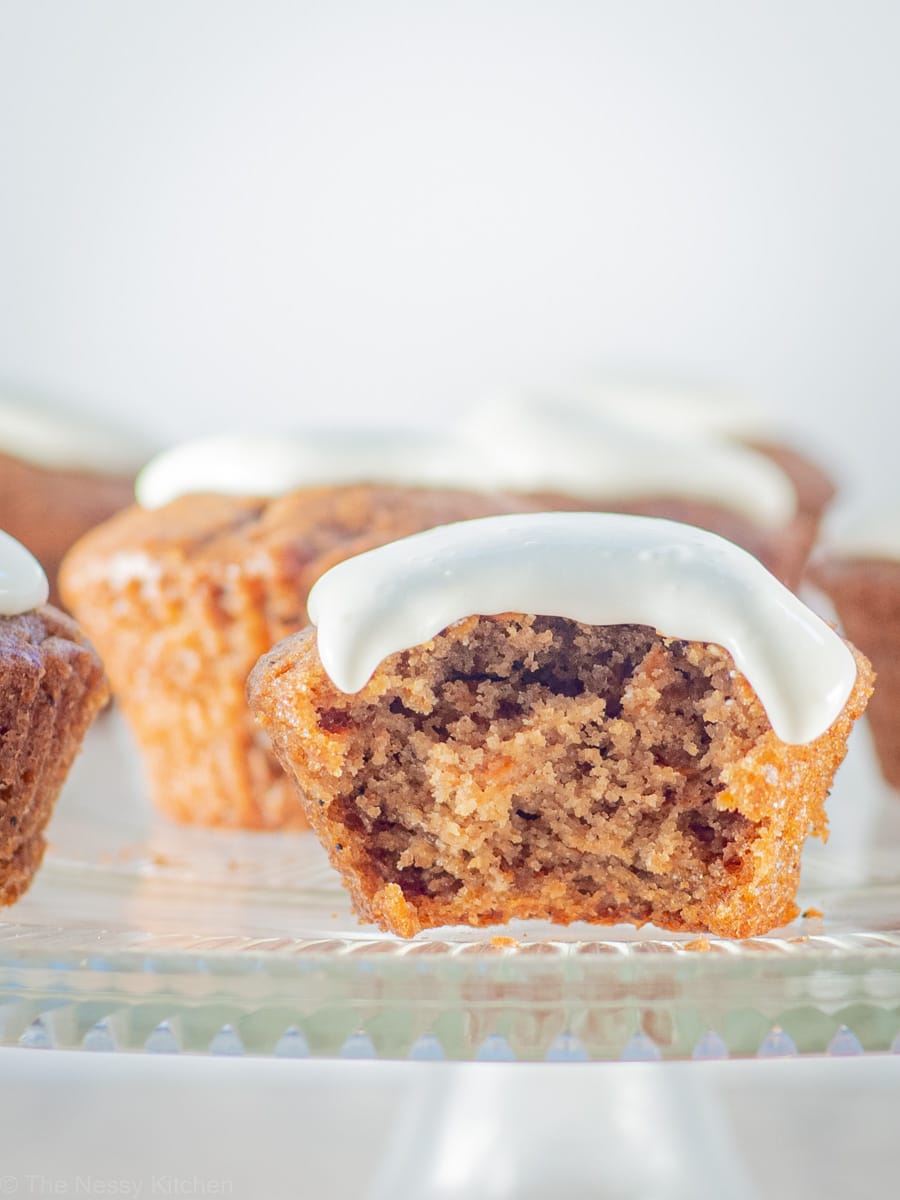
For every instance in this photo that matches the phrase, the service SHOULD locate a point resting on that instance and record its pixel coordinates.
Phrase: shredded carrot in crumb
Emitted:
(811, 913)
(700, 943)
(499, 942)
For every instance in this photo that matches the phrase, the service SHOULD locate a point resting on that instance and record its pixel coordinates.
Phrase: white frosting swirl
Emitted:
(543, 446)
(872, 534)
(674, 408)
(269, 465)
(526, 447)
(60, 441)
(23, 584)
(597, 568)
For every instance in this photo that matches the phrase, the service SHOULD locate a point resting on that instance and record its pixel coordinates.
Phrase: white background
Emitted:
(230, 214)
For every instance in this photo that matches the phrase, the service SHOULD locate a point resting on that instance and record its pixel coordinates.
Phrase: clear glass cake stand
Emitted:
(142, 935)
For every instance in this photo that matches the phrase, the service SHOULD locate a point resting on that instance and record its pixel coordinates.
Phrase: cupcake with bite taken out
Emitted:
(565, 716)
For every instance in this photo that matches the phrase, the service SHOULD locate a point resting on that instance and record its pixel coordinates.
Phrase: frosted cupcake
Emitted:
(59, 476)
(658, 453)
(859, 569)
(51, 687)
(569, 716)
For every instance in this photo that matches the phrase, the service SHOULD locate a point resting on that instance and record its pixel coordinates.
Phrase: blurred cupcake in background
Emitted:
(697, 410)
(681, 454)
(183, 593)
(858, 567)
(61, 474)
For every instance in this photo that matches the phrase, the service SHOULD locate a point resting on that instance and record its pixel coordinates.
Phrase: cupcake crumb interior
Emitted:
(573, 768)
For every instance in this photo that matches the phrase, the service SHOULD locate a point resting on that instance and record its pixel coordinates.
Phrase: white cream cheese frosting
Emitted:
(563, 446)
(51, 438)
(674, 407)
(270, 465)
(597, 568)
(524, 448)
(871, 534)
(23, 584)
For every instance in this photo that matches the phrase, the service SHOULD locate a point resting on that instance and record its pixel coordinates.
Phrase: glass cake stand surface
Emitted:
(140, 934)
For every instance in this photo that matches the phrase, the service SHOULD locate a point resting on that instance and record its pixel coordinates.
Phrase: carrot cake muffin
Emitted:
(571, 716)
(860, 571)
(51, 687)
(60, 476)
(181, 600)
